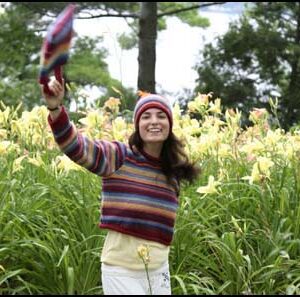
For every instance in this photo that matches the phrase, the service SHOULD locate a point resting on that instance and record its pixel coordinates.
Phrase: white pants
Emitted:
(121, 281)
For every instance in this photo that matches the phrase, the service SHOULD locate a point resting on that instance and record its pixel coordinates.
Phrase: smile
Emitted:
(156, 130)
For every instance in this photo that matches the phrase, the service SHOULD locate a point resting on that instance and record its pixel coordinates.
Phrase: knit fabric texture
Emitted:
(152, 101)
(136, 198)
(56, 45)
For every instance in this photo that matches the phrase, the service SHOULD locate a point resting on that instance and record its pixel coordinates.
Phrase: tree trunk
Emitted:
(147, 42)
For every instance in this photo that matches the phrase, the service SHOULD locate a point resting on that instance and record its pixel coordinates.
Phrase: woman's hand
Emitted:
(58, 91)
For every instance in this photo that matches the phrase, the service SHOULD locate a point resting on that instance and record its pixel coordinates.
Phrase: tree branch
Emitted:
(120, 15)
(136, 16)
(188, 8)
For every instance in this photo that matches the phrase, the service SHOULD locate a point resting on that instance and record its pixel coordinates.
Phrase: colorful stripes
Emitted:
(136, 198)
(57, 43)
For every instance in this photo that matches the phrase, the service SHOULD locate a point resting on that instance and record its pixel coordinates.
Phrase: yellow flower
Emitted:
(113, 104)
(4, 146)
(216, 106)
(260, 170)
(64, 163)
(233, 118)
(17, 164)
(264, 164)
(253, 148)
(199, 103)
(144, 253)
(211, 187)
(273, 137)
(4, 116)
(3, 134)
(258, 115)
(36, 161)
(8, 146)
(203, 98)
(119, 129)
(225, 150)
(94, 120)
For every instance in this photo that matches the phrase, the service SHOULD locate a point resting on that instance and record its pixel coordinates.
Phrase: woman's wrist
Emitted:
(55, 111)
(53, 108)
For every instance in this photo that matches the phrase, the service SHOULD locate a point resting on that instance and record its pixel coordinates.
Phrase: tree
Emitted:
(18, 54)
(21, 40)
(145, 19)
(256, 59)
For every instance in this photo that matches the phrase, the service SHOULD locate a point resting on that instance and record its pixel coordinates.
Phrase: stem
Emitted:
(147, 273)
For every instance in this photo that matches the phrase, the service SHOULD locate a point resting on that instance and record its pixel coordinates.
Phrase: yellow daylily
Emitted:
(200, 103)
(17, 164)
(233, 118)
(260, 170)
(8, 146)
(4, 116)
(273, 137)
(258, 115)
(119, 129)
(210, 188)
(37, 161)
(64, 163)
(4, 146)
(252, 148)
(3, 134)
(113, 104)
(216, 106)
(144, 253)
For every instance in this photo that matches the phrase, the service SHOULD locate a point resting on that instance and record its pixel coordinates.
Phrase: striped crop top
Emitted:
(136, 198)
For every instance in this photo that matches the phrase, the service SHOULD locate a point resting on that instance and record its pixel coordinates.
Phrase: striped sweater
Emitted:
(136, 198)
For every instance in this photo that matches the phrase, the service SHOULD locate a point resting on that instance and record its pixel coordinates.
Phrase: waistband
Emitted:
(122, 271)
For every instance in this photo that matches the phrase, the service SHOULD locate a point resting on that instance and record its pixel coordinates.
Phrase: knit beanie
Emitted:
(152, 101)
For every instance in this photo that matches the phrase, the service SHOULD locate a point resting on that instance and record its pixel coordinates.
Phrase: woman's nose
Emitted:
(154, 120)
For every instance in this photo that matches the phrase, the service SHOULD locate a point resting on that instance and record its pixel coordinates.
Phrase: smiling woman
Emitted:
(154, 129)
(140, 188)
(153, 120)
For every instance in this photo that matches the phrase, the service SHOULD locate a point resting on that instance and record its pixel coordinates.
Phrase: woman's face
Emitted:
(154, 126)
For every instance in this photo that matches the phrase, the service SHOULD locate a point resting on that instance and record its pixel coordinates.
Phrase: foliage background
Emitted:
(237, 229)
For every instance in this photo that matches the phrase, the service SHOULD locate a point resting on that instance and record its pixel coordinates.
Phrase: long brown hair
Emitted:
(175, 162)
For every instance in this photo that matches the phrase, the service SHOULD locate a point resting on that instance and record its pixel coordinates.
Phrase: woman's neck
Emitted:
(153, 149)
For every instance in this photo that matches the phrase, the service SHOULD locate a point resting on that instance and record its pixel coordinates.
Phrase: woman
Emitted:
(140, 188)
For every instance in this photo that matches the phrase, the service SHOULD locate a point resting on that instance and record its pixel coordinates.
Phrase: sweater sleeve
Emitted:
(100, 157)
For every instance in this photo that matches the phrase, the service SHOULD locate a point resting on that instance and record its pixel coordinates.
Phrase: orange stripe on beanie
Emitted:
(152, 101)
